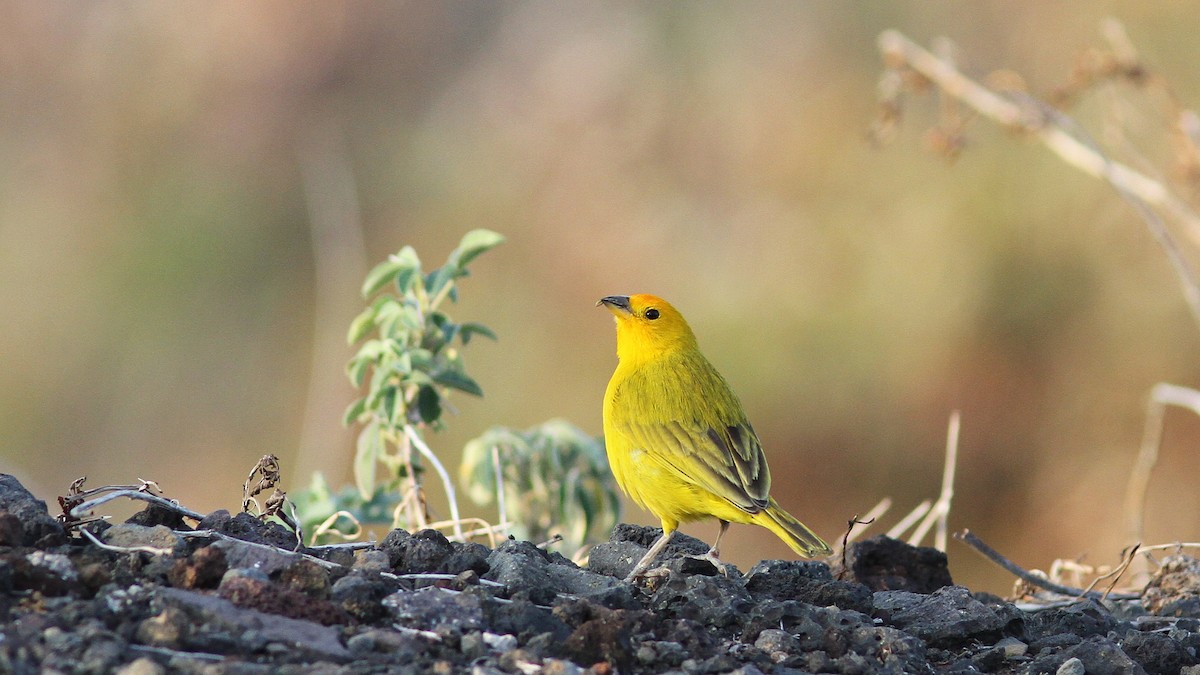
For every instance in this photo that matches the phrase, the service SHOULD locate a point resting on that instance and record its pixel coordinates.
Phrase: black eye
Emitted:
(652, 314)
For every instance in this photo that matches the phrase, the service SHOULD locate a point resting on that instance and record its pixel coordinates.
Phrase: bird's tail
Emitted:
(793, 532)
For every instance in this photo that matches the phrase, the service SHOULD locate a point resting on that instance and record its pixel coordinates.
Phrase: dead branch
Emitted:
(1059, 133)
(1027, 116)
(125, 549)
(1177, 546)
(214, 534)
(433, 576)
(176, 654)
(74, 510)
(969, 538)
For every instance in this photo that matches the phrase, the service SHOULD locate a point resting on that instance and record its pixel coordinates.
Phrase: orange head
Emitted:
(647, 327)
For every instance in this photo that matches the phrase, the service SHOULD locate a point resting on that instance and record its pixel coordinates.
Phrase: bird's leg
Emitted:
(716, 547)
(644, 563)
(715, 551)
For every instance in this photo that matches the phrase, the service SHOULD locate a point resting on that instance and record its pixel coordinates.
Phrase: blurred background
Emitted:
(191, 194)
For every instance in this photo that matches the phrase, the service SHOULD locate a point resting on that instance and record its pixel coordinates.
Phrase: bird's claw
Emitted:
(650, 576)
(711, 557)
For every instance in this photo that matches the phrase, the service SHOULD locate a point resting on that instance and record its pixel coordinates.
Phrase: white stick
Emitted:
(940, 513)
(452, 498)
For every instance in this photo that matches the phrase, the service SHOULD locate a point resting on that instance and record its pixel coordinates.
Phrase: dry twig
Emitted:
(969, 538)
(124, 549)
(1059, 133)
(857, 525)
(76, 506)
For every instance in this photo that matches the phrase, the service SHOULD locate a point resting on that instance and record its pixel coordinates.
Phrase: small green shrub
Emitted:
(551, 480)
(410, 360)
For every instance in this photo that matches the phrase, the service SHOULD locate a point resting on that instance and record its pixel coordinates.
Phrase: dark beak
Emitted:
(615, 302)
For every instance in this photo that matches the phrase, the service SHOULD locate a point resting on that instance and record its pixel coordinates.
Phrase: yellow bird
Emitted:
(677, 439)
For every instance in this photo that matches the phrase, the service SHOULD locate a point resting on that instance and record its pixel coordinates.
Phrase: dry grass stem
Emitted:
(327, 526)
(1073, 572)
(908, 521)
(349, 545)
(1117, 573)
(1161, 396)
(940, 513)
(182, 656)
(484, 529)
(550, 542)
(497, 470)
(413, 502)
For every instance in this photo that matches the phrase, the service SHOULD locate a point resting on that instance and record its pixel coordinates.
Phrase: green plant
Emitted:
(550, 480)
(410, 360)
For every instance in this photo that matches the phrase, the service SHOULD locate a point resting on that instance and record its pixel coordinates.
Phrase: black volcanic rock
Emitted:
(161, 599)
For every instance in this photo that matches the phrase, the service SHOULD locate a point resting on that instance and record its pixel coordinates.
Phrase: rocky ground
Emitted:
(229, 595)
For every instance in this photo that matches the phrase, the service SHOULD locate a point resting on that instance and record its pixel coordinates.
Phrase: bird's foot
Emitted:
(644, 564)
(651, 577)
(711, 557)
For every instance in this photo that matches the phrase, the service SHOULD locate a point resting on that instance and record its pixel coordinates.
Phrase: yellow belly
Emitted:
(660, 480)
(665, 493)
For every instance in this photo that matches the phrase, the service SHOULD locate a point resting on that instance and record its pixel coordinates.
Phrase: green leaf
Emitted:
(356, 369)
(473, 244)
(410, 318)
(422, 359)
(439, 278)
(459, 381)
(403, 364)
(405, 277)
(315, 502)
(476, 472)
(466, 330)
(429, 404)
(394, 407)
(379, 276)
(419, 377)
(371, 350)
(354, 411)
(366, 456)
(399, 267)
(379, 392)
(388, 313)
(361, 326)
